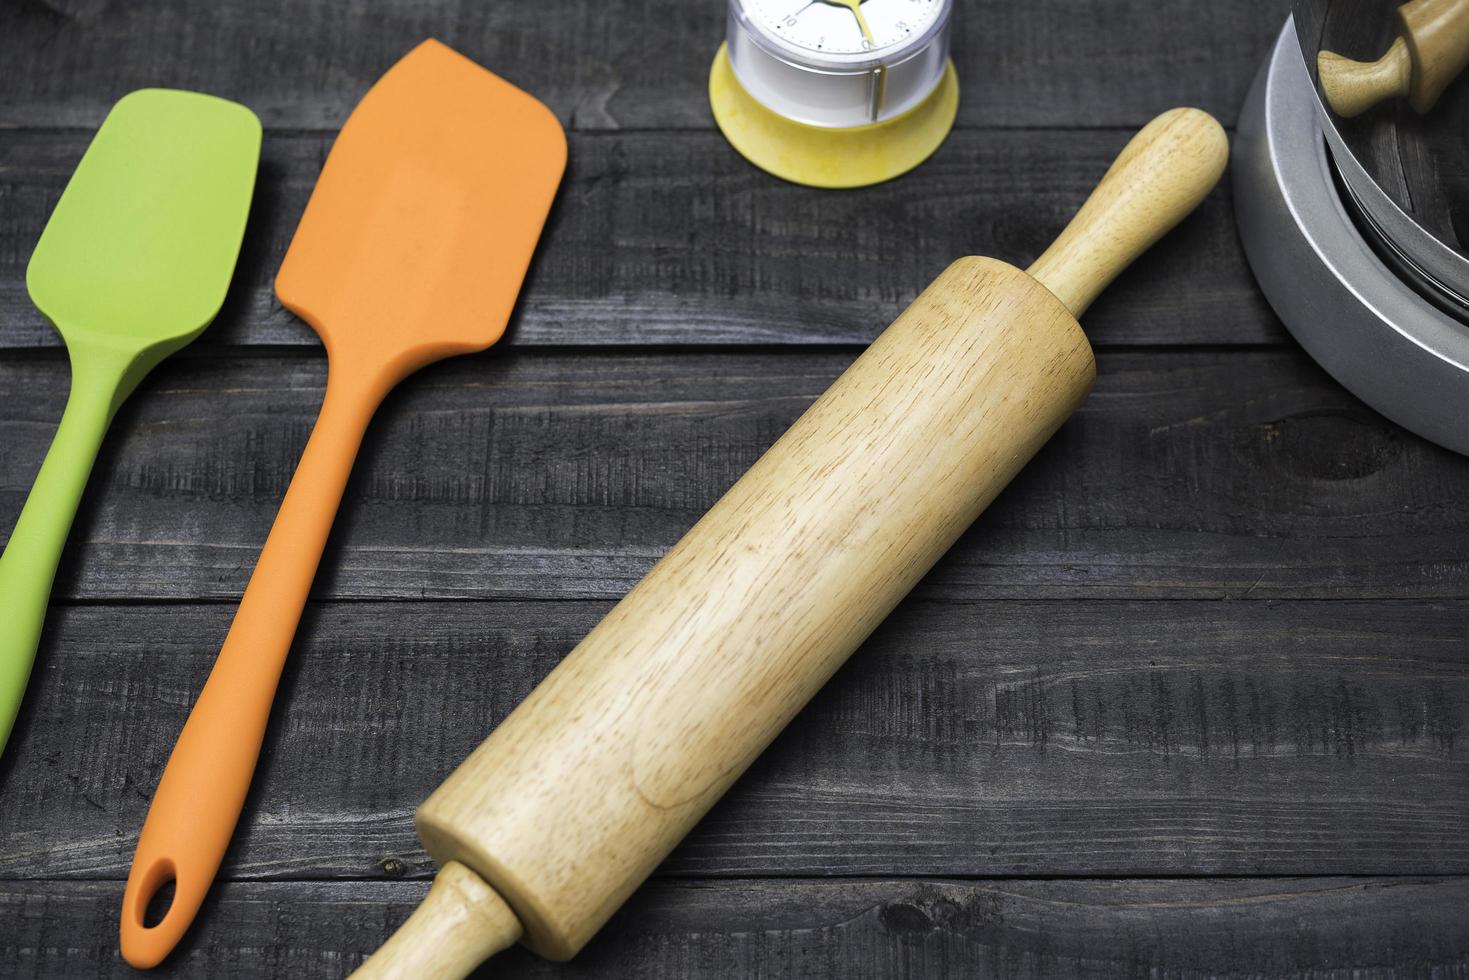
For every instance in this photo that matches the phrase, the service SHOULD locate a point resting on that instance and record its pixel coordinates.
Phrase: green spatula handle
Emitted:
(100, 382)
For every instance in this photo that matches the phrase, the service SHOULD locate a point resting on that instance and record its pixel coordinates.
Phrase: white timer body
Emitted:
(812, 64)
(835, 93)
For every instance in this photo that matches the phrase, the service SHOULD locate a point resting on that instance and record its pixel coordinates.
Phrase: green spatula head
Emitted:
(132, 266)
(141, 247)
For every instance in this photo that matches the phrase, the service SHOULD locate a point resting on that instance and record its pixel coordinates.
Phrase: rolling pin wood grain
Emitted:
(1431, 49)
(578, 795)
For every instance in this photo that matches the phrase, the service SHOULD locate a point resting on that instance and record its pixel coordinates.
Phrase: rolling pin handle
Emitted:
(1159, 177)
(461, 923)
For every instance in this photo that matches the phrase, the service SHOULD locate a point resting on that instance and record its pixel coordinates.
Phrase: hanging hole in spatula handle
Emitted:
(157, 910)
(182, 846)
(194, 811)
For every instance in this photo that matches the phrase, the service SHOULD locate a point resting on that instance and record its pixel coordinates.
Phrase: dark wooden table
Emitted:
(1192, 699)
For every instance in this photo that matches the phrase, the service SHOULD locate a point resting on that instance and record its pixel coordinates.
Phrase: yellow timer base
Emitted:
(820, 156)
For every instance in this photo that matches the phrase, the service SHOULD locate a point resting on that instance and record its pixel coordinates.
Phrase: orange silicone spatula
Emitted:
(412, 248)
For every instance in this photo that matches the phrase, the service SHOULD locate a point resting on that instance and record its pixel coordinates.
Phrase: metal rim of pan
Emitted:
(1371, 329)
(1416, 252)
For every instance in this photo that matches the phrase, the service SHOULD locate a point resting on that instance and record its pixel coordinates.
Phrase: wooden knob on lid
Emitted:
(1430, 51)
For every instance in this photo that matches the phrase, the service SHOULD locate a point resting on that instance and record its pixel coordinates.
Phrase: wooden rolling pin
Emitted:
(553, 821)
(1431, 49)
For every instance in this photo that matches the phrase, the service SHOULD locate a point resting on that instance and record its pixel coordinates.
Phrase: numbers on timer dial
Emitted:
(844, 26)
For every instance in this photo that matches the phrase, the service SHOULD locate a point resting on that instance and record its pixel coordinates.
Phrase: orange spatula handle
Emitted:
(203, 788)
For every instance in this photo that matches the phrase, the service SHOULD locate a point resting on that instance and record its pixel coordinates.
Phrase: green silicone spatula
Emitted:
(132, 266)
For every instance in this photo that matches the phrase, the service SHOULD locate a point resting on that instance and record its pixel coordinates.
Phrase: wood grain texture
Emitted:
(605, 65)
(1353, 87)
(1431, 49)
(1039, 713)
(671, 238)
(566, 475)
(460, 924)
(1373, 929)
(1159, 178)
(576, 797)
(1015, 738)
(1437, 32)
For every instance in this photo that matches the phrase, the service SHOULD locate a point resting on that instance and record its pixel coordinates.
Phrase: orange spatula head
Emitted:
(426, 214)
(412, 248)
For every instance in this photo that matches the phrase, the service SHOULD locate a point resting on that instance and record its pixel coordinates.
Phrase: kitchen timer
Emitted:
(835, 93)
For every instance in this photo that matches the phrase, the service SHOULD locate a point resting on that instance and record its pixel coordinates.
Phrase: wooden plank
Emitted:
(618, 65)
(1363, 928)
(670, 238)
(983, 738)
(1186, 475)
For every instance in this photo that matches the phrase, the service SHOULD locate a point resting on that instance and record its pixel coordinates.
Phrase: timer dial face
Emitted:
(862, 28)
(839, 63)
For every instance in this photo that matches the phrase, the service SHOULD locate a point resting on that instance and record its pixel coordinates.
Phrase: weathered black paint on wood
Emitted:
(626, 64)
(1186, 475)
(868, 929)
(1217, 629)
(974, 738)
(671, 238)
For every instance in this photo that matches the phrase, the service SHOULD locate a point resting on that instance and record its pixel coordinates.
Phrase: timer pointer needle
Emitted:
(855, 6)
